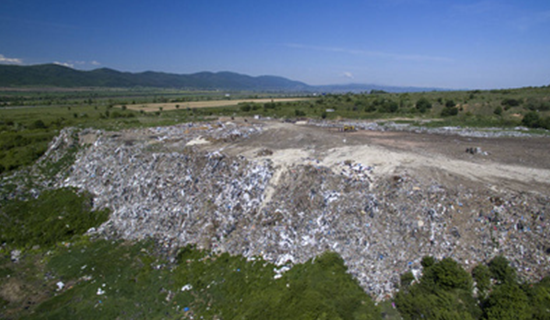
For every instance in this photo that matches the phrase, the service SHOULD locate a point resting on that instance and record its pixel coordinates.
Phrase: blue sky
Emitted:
(481, 44)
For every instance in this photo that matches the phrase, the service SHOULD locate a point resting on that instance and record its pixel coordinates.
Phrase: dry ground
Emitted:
(520, 164)
(151, 107)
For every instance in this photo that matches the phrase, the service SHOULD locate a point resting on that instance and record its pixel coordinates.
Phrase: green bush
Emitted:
(245, 108)
(299, 113)
(423, 105)
(447, 112)
(450, 104)
(38, 124)
(531, 120)
(510, 102)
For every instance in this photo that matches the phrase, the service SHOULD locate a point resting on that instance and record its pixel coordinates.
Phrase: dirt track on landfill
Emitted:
(520, 164)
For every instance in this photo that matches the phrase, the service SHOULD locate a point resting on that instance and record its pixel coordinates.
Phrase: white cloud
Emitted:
(65, 64)
(348, 75)
(380, 54)
(5, 60)
(73, 63)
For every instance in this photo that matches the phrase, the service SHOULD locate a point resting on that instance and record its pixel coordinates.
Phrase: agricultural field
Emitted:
(150, 107)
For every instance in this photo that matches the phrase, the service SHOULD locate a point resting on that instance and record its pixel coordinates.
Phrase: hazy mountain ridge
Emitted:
(53, 75)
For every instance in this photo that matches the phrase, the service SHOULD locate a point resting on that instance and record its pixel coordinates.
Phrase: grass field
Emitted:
(151, 107)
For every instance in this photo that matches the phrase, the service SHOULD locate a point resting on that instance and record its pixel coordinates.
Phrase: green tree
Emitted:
(444, 292)
(498, 111)
(501, 270)
(406, 280)
(447, 275)
(482, 276)
(539, 298)
(427, 262)
(507, 301)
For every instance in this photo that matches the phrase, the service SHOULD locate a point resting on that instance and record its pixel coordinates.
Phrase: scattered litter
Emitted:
(15, 255)
(187, 287)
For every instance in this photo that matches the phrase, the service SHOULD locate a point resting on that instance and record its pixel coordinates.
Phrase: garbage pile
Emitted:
(160, 185)
(418, 128)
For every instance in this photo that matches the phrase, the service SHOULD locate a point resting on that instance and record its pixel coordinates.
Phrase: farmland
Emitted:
(150, 107)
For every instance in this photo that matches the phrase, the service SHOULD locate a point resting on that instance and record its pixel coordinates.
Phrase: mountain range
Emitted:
(53, 75)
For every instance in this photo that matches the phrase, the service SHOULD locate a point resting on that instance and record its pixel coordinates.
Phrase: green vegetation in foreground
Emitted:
(119, 280)
(56, 215)
(446, 291)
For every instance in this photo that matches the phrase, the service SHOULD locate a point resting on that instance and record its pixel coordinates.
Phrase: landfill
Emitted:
(190, 184)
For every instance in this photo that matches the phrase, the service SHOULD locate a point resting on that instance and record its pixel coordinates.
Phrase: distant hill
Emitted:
(59, 76)
(53, 75)
(357, 87)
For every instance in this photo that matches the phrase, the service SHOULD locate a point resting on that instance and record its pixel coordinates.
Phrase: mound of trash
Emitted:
(163, 183)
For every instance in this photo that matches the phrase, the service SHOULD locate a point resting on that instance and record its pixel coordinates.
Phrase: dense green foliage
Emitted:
(445, 291)
(56, 215)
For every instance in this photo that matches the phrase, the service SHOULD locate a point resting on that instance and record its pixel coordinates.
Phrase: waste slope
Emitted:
(158, 186)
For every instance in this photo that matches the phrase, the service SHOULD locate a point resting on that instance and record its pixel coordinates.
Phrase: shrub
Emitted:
(498, 111)
(245, 108)
(450, 104)
(423, 105)
(511, 102)
(449, 112)
(38, 124)
(370, 108)
(299, 113)
(531, 120)
(388, 107)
